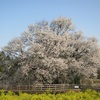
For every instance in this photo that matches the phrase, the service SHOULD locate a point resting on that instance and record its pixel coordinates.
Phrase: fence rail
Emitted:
(48, 87)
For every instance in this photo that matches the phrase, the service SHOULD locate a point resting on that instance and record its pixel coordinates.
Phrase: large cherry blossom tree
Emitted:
(53, 53)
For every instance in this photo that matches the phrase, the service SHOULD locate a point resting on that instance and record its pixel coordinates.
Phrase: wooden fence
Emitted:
(48, 87)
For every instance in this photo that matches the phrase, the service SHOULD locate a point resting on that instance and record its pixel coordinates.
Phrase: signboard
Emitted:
(76, 87)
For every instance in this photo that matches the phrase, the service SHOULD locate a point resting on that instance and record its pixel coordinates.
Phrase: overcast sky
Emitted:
(16, 15)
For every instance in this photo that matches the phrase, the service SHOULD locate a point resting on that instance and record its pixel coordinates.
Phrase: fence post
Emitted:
(55, 87)
(11, 87)
(19, 87)
(41, 87)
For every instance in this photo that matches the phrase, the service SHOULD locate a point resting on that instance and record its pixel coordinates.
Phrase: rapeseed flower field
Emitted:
(71, 95)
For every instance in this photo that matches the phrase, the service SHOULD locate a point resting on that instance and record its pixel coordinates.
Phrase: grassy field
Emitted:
(71, 95)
